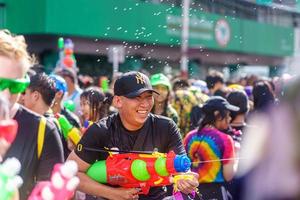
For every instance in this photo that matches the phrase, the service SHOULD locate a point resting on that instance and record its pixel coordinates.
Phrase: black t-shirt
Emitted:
(158, 132)
(24, 148)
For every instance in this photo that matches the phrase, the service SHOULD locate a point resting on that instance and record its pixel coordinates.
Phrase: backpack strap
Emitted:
(41, 136)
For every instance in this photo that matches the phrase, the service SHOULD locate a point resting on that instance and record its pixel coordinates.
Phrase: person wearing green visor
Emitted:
(37, 157)
(162, 85)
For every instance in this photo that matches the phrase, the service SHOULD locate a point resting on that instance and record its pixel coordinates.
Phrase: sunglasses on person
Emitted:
(15, 86)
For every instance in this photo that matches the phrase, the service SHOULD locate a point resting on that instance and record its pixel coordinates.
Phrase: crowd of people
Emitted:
(229, 130)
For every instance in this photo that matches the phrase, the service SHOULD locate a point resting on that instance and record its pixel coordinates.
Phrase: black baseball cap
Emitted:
(132, 84)
(217, 103)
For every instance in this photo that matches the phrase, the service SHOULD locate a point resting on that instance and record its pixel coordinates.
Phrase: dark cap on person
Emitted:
(217, 103)
(132, 84)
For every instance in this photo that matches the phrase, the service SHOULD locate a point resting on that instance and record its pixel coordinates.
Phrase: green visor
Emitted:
(15, 86)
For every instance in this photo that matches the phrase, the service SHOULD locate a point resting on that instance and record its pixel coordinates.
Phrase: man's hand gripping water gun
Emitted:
(61, 186)
(132, 170)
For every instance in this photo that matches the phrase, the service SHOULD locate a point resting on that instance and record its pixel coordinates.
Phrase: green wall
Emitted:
(136, 21)
(26, 16)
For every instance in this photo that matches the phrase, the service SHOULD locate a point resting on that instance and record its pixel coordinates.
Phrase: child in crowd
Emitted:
(93, 105)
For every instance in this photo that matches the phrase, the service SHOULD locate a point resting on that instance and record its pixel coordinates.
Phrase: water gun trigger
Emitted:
(179, 177)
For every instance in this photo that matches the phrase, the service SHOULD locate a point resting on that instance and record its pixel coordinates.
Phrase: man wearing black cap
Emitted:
(132, 128)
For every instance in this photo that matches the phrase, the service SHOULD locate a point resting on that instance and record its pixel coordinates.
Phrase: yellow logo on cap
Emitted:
(139, 79)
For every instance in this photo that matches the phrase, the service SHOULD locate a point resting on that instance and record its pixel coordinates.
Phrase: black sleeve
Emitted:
(95, 138)
(52, 153)
(175, 141)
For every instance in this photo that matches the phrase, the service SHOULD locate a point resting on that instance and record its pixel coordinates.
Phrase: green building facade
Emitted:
(148, 31)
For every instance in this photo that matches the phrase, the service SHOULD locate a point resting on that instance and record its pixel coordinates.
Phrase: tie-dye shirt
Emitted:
(205, 149)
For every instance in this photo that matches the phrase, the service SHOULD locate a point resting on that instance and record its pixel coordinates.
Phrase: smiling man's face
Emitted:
(134, 111)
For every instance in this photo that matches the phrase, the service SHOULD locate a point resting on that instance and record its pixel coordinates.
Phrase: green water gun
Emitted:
(69, 131)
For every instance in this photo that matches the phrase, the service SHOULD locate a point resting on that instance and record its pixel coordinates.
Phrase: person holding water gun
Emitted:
(68, 121)
(133, 128)
(36, 156)
(8, 128)
(9, 181)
